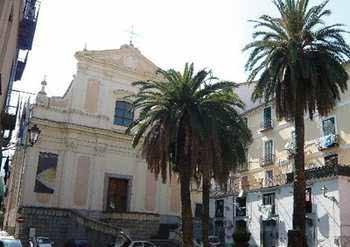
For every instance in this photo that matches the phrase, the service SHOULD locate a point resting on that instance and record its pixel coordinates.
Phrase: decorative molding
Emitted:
(121, 94)
(100, 149)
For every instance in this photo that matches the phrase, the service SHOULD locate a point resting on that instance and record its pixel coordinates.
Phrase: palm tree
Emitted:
(175, 112)
(298, 61)
(224, 145)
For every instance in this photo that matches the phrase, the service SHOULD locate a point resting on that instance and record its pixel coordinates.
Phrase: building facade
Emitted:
(84, 161)
(18, 19)
(261, 192)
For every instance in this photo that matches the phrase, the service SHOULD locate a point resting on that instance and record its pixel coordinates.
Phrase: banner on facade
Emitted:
(46, 173)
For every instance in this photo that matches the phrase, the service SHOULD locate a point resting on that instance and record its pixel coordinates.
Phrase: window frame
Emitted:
(265, 154)
(124, 117)
(240, 209)
(273, 203)
(222, 214)
(335, 124)
(267, 125)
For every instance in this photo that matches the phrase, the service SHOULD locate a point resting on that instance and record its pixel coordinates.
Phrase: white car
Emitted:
(136, 244)
(44, 242)
(10, 243)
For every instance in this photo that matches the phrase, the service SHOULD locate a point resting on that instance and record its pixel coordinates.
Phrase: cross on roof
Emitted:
(132, 34)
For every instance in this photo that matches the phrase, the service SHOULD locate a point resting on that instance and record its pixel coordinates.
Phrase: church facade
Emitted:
(83, 161)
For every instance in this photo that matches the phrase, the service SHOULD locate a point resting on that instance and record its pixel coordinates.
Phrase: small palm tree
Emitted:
(298, 61)
(178, 114)
(224, 143)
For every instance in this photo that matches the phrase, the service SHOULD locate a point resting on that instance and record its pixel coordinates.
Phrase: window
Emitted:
(268, 152)
(269, 178)
(328, 126)
(331, 160)
(123, 114)
(117, 195)
(269, 199)
(198, 210)
(240, 206)
(219, 208)
(267, 118)
(308, 201)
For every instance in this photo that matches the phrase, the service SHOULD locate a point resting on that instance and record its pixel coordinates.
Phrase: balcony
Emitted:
(322, 172)
(327, 141)
(28, 24)
(265, 125)
(267, 160)
(21, 64)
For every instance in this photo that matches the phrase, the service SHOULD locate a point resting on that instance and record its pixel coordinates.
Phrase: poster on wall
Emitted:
(46, 173)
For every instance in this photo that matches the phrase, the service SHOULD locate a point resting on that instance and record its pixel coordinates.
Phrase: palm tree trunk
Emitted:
(205, 202)
(186, 209)
(299, 180)
(183, 160)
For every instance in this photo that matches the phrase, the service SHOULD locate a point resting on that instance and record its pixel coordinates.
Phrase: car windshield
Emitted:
(10, 243)
(44, 241)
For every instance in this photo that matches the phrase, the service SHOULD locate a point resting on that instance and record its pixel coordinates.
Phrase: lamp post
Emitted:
(33, 137)
(34, 133)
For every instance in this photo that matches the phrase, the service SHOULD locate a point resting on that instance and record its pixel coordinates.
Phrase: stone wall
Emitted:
(99, 229)
(137, 225)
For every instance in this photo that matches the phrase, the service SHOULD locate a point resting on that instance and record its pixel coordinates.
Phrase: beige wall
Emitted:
(8, 40)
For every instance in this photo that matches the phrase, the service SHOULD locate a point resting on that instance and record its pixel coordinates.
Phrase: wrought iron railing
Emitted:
(28, 24)
(266, 124)
(267, 159)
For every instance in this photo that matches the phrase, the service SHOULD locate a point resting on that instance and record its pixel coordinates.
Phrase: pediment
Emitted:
(127, 58)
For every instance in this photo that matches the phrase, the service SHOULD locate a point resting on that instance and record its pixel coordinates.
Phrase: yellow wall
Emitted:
(281, 135)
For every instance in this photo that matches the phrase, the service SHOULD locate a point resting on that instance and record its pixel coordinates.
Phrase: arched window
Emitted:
(123, 114)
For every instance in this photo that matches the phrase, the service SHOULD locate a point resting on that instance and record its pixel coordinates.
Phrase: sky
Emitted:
(210, 33)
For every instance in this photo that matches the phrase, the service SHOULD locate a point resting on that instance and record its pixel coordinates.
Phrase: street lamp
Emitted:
(34, 133)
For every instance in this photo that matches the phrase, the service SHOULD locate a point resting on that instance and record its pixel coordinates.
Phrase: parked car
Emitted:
(10, 243)
(44, 242)
(134, 244)
(77, 243)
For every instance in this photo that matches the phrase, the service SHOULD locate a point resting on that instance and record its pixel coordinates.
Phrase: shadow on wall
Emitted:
(324, 226)
(283, 234)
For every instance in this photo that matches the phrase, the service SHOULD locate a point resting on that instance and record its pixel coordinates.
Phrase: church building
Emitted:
(82, 174)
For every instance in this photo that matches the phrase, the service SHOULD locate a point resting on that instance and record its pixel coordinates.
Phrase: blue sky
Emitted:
(210, 33)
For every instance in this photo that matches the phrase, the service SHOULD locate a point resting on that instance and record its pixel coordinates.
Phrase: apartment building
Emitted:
(261, 192)
(18, 19)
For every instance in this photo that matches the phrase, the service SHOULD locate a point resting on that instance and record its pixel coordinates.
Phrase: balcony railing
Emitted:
(267, 159)
(28, 24)
(266, 125)
(327, 141)
(21, 64)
